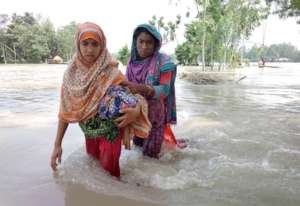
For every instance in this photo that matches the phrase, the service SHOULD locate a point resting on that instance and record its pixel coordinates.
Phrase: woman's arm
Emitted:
(57, 151)
(143, 89)
(160, 91)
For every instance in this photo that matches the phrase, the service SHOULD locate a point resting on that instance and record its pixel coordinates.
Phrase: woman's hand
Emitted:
(57, 151)
(56, 157)
(134, 88)
(143, 89)
(129, 115)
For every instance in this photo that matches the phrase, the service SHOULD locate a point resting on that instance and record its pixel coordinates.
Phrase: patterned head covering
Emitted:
(89, 30)
(84, 84)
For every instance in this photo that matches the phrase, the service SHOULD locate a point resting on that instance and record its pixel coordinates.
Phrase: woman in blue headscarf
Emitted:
(153, 74)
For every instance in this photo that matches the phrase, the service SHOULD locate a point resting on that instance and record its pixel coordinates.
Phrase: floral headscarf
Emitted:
(84, 84)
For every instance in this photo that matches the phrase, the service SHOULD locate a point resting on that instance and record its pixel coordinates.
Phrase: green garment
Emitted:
(96, 127)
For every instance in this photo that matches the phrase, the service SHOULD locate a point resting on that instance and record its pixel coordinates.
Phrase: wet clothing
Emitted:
(107, 152)
(158, 71)
(85, 85)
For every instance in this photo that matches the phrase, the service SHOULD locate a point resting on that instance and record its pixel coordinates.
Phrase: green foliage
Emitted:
(29, 38)
(65, 40)
(48, 30)
(168, 30)
(184, 54)
(254, 53)
(27, 19)
(33, 43)
(123, 55)
(217, 31)
(286, 8)
(274, 52)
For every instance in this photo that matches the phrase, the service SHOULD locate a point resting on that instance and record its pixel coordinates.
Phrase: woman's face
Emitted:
(90, 50)
(145, 44)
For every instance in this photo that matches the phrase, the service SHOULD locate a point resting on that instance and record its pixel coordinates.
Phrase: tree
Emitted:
(65, 40)
(27, 19)
(184, 54)
(48, 30)
(286, 8)
(123, 55)
(218, 29)
(26, 38)
(29, 38)
(3, 22)
(168, 30)
(20, 36)
(32, 43)
(274, 52)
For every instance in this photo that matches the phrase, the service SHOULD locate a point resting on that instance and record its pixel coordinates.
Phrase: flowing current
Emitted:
(243, 141)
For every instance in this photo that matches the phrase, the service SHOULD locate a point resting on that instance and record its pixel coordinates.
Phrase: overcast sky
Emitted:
(118, 18)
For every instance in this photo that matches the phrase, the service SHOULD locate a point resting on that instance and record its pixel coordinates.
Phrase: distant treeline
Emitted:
(214, 35)
(29, 39)
(274, 53)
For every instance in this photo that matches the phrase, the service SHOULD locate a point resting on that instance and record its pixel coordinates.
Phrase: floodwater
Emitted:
(243, 144)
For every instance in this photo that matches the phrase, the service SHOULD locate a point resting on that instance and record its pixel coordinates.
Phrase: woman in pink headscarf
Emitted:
(88, 77)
